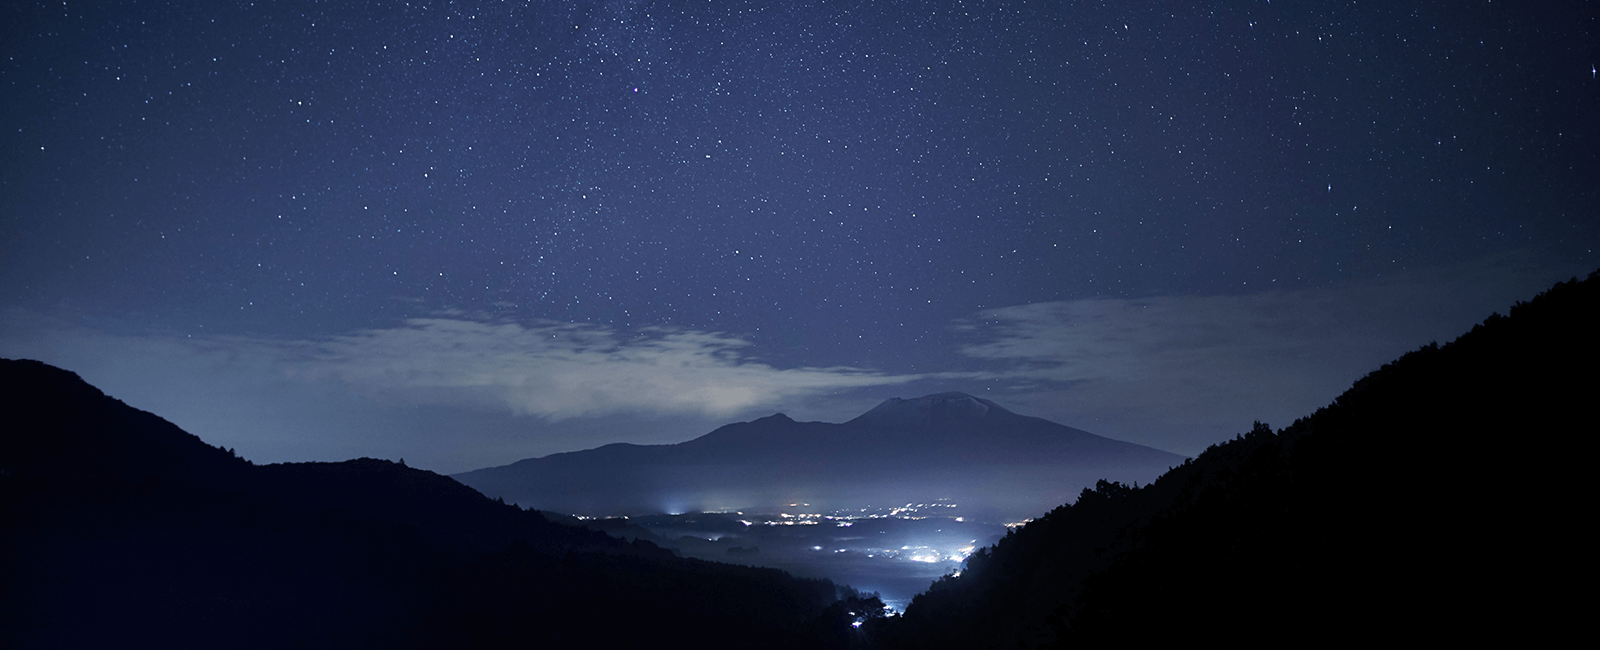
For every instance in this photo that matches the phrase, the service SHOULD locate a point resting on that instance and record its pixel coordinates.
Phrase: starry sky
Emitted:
(471, 232)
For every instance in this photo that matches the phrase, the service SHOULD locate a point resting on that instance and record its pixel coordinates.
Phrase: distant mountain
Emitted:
(1441, 500)
(120, 529)
(949, 445)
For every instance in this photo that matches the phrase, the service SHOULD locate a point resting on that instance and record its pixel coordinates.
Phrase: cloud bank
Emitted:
(553, 371)
(558, 371)
(450, 394)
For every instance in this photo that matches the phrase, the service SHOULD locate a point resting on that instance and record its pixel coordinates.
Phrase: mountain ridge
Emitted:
(945, 445)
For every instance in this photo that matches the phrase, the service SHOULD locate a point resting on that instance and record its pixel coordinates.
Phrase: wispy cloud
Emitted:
(558, 370)
(545, 369)
(454, 393)
(1184, 356)
(1171, 371)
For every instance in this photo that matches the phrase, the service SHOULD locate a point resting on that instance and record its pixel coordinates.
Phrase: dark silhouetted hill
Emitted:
(950, 445)
(120, 529)
(1439, 500)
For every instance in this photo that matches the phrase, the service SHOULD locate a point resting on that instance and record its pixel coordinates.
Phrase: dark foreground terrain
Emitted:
(1441, 499)
(123, 530)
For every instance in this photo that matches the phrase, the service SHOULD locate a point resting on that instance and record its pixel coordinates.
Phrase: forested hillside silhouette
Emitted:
(1438, 499)
(121, 529)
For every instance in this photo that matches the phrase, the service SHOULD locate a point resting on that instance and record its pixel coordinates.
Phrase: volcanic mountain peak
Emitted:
(939, 408)
(946, 445)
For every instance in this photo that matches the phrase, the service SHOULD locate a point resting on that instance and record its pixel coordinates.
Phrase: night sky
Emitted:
(468, 233)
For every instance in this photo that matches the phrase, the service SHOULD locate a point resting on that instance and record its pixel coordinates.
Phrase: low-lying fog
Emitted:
(894, 551)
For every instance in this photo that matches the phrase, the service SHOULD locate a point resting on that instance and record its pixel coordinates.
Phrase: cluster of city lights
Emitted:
(925, 554)
(940, 509)
(846, 518)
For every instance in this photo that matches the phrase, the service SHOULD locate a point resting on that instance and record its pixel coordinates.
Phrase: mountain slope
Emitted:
(1434, 500)
(949, 445)
(122, 528)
